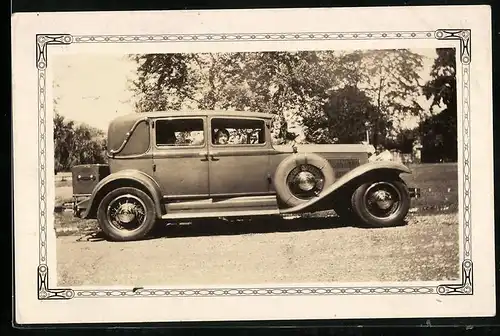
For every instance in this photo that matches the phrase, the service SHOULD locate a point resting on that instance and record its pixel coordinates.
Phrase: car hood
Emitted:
(327, 148)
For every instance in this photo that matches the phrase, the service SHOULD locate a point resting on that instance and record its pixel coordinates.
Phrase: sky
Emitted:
(95, 88)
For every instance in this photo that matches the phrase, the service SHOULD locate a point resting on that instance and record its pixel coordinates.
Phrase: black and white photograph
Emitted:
(245, 168)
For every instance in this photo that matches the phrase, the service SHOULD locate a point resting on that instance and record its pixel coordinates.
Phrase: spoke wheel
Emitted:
(126, 214)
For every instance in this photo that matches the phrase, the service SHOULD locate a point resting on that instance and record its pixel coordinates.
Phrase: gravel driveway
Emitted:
(300, 250)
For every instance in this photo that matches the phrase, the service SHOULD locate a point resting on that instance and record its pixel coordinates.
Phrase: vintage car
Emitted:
(200, 164)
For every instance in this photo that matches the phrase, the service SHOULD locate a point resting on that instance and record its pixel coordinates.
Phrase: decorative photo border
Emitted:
(45, 292)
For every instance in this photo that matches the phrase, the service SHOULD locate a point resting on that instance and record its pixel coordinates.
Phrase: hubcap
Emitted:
(126, 212)
(382, 199)
(305, 181)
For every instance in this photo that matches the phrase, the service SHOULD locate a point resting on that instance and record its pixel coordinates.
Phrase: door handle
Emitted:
(204, 156)
(212, 156)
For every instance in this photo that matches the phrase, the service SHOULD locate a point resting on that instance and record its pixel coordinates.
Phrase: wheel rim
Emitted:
(126, 212)
(305, 181)
(382, 200)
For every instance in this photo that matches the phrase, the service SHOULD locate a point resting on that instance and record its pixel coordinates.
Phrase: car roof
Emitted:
(197, 113)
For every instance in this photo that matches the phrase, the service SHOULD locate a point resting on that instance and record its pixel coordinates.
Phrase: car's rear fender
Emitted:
(367, 171)
(124, 178)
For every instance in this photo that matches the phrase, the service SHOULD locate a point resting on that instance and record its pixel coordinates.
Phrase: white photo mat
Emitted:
(38, 37)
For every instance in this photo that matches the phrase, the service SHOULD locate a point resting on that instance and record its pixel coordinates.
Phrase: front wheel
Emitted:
(382, 203)
(126, 214)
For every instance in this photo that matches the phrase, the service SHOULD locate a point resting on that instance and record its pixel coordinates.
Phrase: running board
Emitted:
(216, 214)
(227, 205)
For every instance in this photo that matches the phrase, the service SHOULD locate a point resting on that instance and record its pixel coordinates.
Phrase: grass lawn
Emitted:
(438, 185)
(64, 192)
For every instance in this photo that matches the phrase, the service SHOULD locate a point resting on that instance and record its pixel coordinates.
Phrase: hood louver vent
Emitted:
(344, 163)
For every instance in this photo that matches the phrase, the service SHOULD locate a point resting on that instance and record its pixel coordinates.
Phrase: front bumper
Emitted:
(414, 192)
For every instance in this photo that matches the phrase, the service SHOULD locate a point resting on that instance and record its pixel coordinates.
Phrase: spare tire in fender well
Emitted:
(283, 170)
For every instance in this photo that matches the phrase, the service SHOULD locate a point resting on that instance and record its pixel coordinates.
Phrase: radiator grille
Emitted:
(342, 166)
(344, 163)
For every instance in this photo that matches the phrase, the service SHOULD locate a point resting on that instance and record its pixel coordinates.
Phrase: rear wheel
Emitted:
(382, 203)
(126, 214)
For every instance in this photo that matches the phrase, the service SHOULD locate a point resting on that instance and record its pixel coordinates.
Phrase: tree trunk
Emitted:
(377, 117)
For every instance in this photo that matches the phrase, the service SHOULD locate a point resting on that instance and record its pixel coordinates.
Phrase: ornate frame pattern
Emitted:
(464, 287)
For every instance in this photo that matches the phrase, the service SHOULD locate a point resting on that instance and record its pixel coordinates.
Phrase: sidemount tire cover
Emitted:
(124, 235)
(290, 163)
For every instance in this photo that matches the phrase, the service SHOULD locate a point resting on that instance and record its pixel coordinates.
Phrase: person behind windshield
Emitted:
(221, 137)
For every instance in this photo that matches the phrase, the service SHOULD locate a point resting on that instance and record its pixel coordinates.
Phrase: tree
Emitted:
(75, 145)
(341, 119)
(443, 87)
(163, 81)
(387, 80)
(88, 145)
(439, 137)
(272, 82)
(300, 83)
(390, 78)
(439, 131)
(63, 138)
(404, 141)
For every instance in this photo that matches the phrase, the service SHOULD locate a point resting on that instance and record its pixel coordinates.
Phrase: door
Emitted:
(180, 159)
(239, 157)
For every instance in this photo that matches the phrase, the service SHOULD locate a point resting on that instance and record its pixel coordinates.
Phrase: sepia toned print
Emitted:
(286, 168)
(330, 137)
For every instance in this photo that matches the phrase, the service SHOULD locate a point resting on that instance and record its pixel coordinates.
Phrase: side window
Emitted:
(179, 132)
(238, 131)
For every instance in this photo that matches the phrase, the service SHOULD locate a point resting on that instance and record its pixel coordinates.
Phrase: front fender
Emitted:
(375, 167)
(123, 178)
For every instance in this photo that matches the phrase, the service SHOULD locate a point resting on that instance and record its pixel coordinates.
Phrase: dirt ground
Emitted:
(285, 251)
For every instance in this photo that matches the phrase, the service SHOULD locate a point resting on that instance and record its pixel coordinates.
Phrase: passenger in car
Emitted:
(165, 138)
(221, 137)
